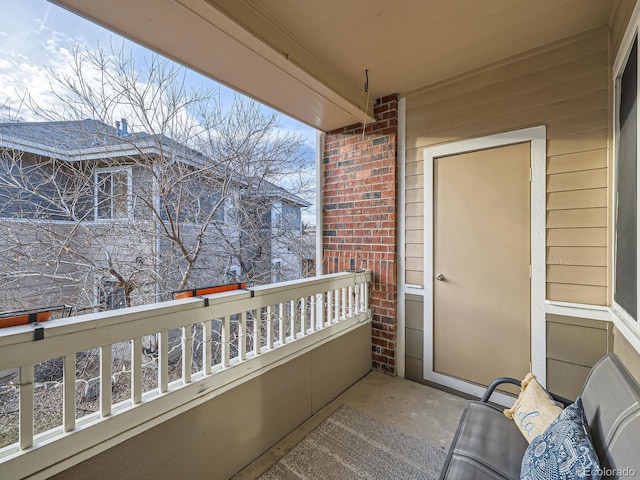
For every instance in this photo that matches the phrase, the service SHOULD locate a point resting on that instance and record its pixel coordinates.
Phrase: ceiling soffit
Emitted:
(308, 59)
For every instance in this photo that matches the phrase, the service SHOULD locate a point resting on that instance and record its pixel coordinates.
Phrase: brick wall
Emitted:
(359, 216)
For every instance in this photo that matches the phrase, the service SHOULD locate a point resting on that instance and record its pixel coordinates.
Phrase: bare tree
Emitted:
(181, 189)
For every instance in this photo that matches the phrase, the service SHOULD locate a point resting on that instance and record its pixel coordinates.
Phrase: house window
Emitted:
(291, 219)
(110, 296)
(112, 193)
(625, 207)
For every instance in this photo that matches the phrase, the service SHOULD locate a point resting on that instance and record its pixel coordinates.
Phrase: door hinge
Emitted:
(529, 270)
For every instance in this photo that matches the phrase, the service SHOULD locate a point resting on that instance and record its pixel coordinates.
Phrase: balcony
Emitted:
(232, 373)
(277, 356)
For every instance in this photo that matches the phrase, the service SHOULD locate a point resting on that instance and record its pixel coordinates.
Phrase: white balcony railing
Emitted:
(172, 356)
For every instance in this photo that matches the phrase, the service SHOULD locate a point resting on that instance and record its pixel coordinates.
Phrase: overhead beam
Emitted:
(200, 36)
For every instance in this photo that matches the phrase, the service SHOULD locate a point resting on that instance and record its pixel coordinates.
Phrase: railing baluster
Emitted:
(365, 296)
(136, 370)
(336, 314)
(163, 362)
(312, 313)
(26, 407)
(187, 353)
(320, 313)
(242, 337)
(292, 318)
(226, 341)
(327, 320)
(270, 329)
(105, 380)
(207, 352)
(343, 303)
(303, 316)
(69, 393)
(257, 315)
(282, 320)
(350, 293)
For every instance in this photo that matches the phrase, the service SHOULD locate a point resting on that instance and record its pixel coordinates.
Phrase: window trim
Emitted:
(625, 323)
(129, 171)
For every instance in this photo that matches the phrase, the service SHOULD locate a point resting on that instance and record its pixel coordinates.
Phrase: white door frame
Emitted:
(537, 137)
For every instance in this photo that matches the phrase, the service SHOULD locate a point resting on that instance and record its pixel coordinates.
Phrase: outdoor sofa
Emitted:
(488, 445)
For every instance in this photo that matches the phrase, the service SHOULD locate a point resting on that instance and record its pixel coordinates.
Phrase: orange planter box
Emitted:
(208, 290)
(24, 319)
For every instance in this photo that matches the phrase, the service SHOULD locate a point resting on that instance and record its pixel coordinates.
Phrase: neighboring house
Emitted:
(100, 217)
(284, 229)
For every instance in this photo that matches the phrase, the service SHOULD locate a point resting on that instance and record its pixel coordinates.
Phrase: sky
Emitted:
(37, 36)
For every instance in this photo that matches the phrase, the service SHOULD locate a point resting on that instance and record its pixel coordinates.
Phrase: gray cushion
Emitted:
(486, 445)
(611, 399)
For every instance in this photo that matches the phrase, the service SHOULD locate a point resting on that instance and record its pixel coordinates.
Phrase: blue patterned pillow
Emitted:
(564, 451)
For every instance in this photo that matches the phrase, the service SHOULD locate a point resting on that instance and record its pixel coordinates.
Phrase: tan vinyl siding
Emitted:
(414, 233)
(574, 345)
(577, 293)
(577, 227)
(580, 275)
(414, 333)
(575, 199)
(578, 237)
(563, 87)
(629, 355)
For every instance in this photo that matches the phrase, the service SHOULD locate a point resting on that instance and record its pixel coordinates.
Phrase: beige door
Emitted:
(481, 289)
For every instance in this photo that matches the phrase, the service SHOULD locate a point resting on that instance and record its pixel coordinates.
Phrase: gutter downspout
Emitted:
(401, 240)
(319, 199)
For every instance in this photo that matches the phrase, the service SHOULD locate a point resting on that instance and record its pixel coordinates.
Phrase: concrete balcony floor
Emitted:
(416, 409)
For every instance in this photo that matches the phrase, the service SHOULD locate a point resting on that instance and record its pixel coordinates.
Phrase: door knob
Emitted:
(440, 277)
